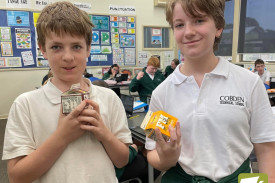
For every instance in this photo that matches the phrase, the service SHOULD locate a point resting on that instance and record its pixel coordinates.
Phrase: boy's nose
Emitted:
(67, 56)
(189, 30)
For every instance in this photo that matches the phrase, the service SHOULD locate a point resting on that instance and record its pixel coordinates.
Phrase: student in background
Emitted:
(111, 74)
(260, 70)
(222, 109)
(147, 80)
(47, 76)
(44, 145)
(170, 68)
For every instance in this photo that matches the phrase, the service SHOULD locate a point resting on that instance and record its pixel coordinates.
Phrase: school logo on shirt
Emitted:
(253, 178)
(232, 100)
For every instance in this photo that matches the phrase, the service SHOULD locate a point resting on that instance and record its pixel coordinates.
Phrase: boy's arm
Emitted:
(31, 167)
(265, 153)
(116, 150)
(134, 85)
(166, 154)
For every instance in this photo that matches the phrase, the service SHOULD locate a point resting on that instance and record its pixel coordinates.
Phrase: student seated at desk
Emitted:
(112, 72)
(147, 80)
(170, 68)
(263, 74)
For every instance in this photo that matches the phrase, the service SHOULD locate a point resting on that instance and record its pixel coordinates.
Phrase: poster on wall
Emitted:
(95, 39)
(18, 18)
(27, 58)
(100, 22)
(130, 56)
(13, 62)
(6, 49)
(105, 38)
(23, 38)
(127, 41)
(156, 36)
(5, 34)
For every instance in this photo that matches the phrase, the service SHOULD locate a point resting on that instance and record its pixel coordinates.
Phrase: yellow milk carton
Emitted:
(158, 119)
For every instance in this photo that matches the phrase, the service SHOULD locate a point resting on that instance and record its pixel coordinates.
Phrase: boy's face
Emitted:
(67, 57)
(151, 69)
(194, 36)
(173, 65)
(260, 68)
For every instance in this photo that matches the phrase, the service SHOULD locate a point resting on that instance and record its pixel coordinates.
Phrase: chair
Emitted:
(272, 82)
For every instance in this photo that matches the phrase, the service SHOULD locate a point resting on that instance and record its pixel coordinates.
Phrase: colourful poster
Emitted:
(100, 22)
(95, 49)
(114, 18)
(127, 41)
(131, 31)
(6, 49)
(131, 25)
(105, 38)
(5, 34)
(13, 62)
(115, 30)
(18, 18)
(122, 19)
(106, 49)
(114, 24)
(95, 39)
(130, 19)
(23, 38)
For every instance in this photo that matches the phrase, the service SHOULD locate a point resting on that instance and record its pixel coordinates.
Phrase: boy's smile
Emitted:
(67, 56)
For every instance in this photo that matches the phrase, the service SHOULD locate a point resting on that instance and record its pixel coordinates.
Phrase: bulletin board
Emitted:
(113, 41)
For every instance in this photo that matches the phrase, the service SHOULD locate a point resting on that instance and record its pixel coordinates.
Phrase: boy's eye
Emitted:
(199, 21)
(179, 25)
(55, 47)
(77, 47)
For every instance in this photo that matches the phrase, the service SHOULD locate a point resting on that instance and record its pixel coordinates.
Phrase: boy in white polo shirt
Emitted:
(44, 145)
(222, 109)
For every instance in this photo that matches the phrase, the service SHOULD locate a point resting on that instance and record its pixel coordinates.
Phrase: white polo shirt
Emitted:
(219, 121)
(34, 117)
(265, 76)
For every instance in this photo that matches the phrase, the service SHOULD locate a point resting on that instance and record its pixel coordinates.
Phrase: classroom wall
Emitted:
(16, 81)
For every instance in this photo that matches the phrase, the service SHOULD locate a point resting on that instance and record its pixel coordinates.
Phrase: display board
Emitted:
(113, 41)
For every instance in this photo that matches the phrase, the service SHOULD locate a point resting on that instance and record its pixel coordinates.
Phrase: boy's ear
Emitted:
(43, 51)
(88, 51)
(219, 32)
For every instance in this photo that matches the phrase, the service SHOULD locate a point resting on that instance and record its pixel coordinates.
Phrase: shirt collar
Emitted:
(54, 94)
(221, 69)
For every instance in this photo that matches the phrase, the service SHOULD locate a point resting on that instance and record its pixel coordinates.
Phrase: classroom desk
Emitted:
(134, 123)
(120, 84)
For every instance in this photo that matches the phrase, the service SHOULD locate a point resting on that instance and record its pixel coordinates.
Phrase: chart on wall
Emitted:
(113, 40)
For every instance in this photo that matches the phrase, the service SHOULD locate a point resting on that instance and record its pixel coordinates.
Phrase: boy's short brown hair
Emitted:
(154, 61)
(63, 17)
(259, 61)
(213, 8)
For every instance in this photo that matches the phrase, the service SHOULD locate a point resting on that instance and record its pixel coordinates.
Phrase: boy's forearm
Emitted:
(33, 166)
(117, 151)
(265, 153)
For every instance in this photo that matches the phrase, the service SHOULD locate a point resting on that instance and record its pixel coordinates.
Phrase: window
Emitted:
(225, 46)
(257, 27)
(157, 38)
